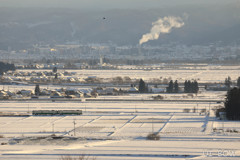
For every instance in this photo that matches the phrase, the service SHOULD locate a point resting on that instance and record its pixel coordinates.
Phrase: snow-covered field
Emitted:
(118, 130)
(206, 74)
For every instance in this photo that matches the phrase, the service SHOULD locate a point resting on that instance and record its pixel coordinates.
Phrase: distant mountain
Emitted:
(21, 28)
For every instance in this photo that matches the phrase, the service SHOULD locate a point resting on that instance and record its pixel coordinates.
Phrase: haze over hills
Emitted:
(116, 4)
(203, 24)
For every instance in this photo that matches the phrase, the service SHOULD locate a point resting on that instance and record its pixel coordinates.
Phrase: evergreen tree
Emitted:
(141, 86)
(170, 87)
(54, 70)
(185, 87)
(37, 90)
(56, 76)
(232, 104)
(176, 87)
(238, 82)
(191, 87)
(228, 82)
(195, 87)
(189, 84)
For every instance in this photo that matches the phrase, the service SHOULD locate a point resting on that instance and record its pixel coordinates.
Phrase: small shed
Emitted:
(222, 115)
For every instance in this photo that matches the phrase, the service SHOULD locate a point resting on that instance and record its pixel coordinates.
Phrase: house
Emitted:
(157, 90)
(4, 95)
(85, 91)
(107, 91)
(25, 93)
(217, 87)
(222, 115)
(56, 94)
(45, 92)
(133, 90)
(158, 97)
(74, 93)
(87, 95)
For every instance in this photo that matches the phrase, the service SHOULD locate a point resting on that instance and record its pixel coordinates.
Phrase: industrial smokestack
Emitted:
(162, 25)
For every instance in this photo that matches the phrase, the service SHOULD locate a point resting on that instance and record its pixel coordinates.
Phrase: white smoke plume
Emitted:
(162, 25)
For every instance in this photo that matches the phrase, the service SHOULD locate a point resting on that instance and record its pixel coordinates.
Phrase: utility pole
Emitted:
(209, 107)
(197, 107)
(53, 127)
(152, 126)
(223, 125)
(74, 123)
(28, 109)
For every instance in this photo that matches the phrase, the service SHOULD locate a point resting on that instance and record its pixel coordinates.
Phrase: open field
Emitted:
(110, 130)
(116, 127)
(209, 74)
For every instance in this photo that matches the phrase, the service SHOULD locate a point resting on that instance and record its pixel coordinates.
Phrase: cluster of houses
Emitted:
(34, 73)
(72, 93)
(57, 93)
(40, 77)
(150, 89)
(49, 77)
(5, 94)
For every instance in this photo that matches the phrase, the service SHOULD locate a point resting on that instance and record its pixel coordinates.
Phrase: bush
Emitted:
(203, 110)
(186, 110)
(219, 109)
(82, 157)
(158, 97)
(232, 130)
(153, 136)
(194, 110)
(214, 129)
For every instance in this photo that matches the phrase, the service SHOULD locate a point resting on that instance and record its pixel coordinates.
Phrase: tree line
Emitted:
(228, 82)
(189, 87)
(232, 100)
(4, 67)
(173, 87)
(232, 104)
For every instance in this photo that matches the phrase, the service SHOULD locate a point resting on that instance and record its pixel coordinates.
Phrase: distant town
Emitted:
(110, 56)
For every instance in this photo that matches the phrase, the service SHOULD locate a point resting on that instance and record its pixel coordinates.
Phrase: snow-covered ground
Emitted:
(118, 130)
(208, 74)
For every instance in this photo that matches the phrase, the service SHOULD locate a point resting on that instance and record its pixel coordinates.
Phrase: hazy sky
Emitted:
(108, 4)
(208, 21)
